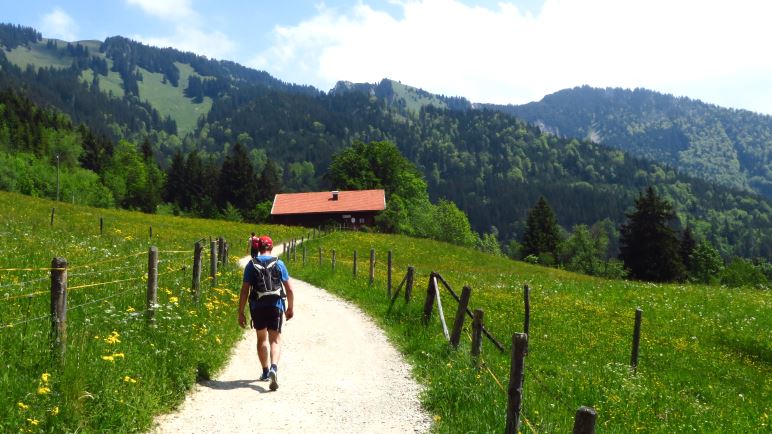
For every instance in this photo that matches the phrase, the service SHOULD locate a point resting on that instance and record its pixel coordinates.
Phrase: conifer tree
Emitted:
(649, 248)
(686, 249)
(542, 234)
(238, 183)
(270, 182)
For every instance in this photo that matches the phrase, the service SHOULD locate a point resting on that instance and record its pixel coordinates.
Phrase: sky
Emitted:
(505, 52)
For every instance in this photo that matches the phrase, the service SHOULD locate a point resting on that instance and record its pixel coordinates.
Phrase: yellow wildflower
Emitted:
(128, 238)
(128, 379)
(33, 421)
(55, 410)
(43, 390)
(217, 338)
(437, 417)
(108, 358)
(130, 309)
(45, 377)
(119, 355)
(173, 299)
(22, 406)
(113, 338)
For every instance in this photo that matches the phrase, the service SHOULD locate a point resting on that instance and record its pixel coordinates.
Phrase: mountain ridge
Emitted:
(492, 165)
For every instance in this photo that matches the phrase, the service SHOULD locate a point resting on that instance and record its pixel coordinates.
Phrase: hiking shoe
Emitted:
(264, 376)
(273, 376)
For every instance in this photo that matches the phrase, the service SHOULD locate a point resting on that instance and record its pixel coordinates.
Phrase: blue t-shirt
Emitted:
(249, 270)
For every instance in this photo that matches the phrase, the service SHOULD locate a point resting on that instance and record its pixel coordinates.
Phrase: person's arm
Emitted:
(243, 303)
(289, 313)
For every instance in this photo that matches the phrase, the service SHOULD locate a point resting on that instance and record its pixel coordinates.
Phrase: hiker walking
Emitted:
(266, 284)
(254, 245)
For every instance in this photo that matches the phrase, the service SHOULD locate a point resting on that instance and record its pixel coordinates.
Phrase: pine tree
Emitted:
(270, 182)
(649, 248)
(542, 234)
(238, 183)
(687, 247)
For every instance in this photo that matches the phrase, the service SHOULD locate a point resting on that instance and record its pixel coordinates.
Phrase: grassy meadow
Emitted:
(118, 370)
(170, 100)
(705, 355)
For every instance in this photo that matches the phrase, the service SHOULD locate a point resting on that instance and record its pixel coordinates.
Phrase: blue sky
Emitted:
(506, 51)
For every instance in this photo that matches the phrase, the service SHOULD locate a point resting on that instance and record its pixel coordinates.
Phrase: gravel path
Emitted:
(338, 373)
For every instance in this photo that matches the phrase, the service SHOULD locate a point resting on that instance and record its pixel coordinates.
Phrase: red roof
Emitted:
(322, 202)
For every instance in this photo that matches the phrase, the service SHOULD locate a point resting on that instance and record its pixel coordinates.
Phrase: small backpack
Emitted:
(266, 280)
(255, 243)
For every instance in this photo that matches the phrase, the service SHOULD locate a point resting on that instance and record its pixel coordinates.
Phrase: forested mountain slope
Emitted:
(732, 147)
(491, 164)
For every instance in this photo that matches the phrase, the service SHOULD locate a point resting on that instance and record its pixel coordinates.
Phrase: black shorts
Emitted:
(266, 317)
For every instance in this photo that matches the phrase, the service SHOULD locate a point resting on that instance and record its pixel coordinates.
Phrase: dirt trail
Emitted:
(338, 373)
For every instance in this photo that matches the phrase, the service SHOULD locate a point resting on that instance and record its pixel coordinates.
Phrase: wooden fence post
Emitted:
(53, 211)
(59, 305)
(294, 250)
(196, 287)
(372, 266)
(477, 325)
(152, 283)
(458, 323)
(409, 284)
(225, 249)
(584, 421)
(101, 225)
(320, 256)
(220, 248)
(469, 314)
(333, 259)
(355, 263)
(213, 261)
(429, 303)
(150, 232)
(636, 339)
(304, 255)
(388, 277)
(527, 317)
(515, 389)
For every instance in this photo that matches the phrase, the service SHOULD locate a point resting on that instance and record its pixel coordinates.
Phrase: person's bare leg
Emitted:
(275, 338)
(262, 347)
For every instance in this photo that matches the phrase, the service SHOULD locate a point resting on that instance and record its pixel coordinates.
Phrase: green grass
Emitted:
(170, 100)
(415, 101)
(38, 56)
(118, 371)
(705, 357)
(111, 83)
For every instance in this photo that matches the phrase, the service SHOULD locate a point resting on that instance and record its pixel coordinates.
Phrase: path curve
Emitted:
(338, 373)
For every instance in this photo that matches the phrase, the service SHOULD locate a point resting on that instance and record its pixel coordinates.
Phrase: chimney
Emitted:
(335, 195)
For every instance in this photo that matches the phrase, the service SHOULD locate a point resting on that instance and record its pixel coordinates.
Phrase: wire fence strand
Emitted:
(78, 306)
(104, 261)
(11, 325)
(24, 282)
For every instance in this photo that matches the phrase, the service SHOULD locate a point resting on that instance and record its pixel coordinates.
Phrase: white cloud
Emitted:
(172, 10)
(58, 24)
(190, 32)
(506, 55)
(213, 44)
